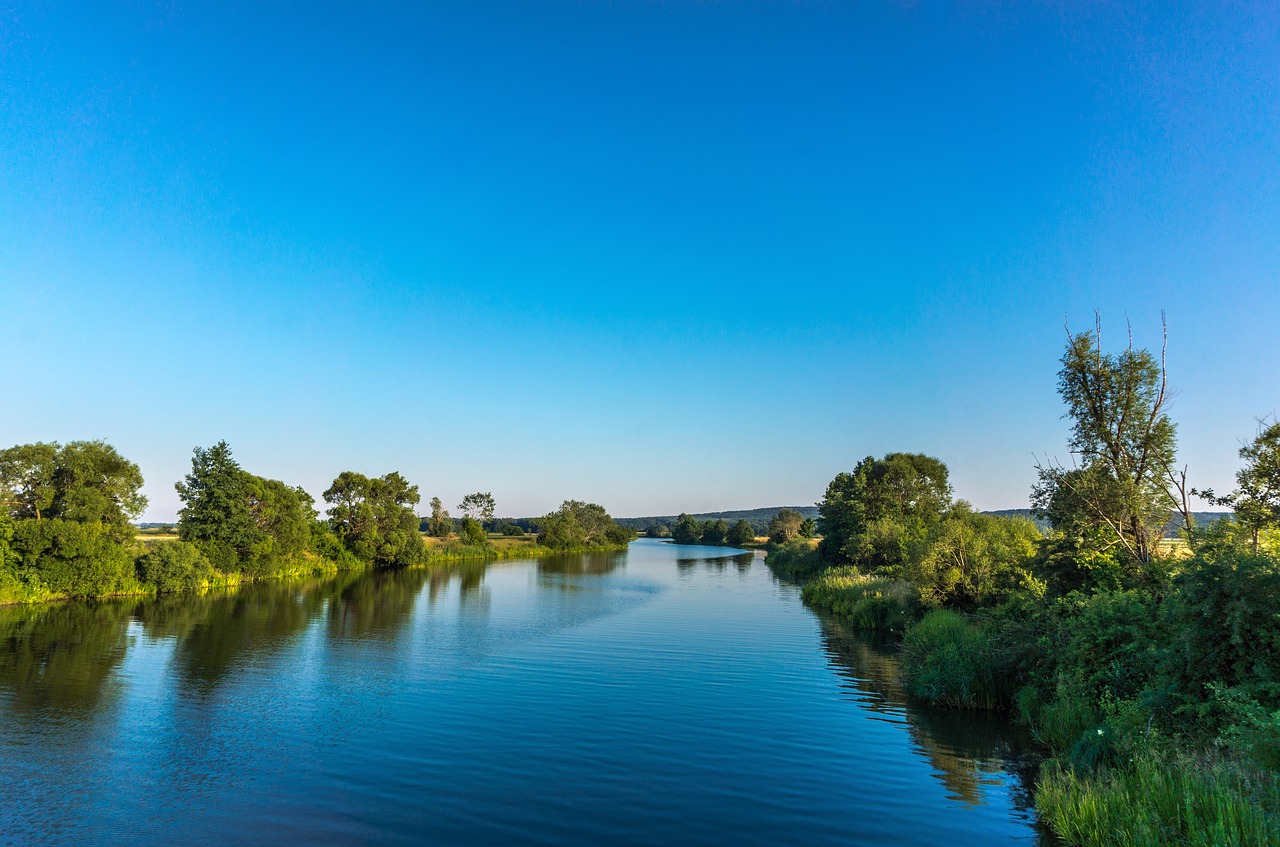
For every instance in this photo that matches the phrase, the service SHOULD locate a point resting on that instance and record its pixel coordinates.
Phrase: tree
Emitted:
(872, 516)
(577, 525)
(741, 533)
(374, 517)
(1124, 445)
(473, 532)
(81, 481)
(687, 530)
(808, 528)
(215, 512)
(785, 525)
(439, 524)
(715, 532)
(1256, 500)
(478, 506)
(70, 507)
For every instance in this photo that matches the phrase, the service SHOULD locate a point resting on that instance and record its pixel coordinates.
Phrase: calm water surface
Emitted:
(659, 696)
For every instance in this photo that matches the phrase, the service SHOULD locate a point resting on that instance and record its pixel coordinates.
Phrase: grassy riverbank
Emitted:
(436, 552)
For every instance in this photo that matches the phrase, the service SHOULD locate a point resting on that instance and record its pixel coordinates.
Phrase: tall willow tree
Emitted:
(1119, 491)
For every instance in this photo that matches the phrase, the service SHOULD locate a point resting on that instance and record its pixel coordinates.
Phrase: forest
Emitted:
(1147, 667)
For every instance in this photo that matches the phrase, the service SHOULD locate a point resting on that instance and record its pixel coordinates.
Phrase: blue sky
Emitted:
(662, 256)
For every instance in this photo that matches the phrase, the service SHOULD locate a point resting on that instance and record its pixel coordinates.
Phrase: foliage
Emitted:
(473, 532)
(439, 525)
(581, 526)
(797, 559)
(785, 526)
(71, 558)
(174, 566)
(687, 530)
(657, 531)
(1225, 629)
(82, 481)
(715, 533)
(241, 522)
(478, 506)
(868, 602)
(1159, 801)
(740, 533)
(969, 560)
(808, 528)
(1125, 444)
(374, 518)
(875, 515)
(1256, 500)
(952, 661)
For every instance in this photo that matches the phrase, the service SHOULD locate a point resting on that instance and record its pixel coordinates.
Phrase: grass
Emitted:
(951, 661)
(1207, 802)
(866, 602)
(796, 559)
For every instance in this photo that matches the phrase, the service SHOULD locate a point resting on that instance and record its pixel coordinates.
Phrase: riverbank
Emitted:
(438, 552)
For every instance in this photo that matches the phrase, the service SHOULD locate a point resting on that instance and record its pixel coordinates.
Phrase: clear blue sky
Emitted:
(662, 256)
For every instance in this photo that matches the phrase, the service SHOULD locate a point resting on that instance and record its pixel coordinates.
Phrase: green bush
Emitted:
(74, 559)
(951, 661)
(473, 533)
(1156, 802)
(174, 567)
(796, 559)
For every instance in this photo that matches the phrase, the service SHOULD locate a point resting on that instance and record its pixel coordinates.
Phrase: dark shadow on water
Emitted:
(738, 560)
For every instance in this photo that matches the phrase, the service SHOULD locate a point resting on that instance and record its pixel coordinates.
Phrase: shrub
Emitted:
(174, 566)
(71, 558)
(950, 661)
(796, 559)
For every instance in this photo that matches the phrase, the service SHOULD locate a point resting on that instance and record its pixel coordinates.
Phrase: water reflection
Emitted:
(691, 559)
(61, 657)
(970, 751)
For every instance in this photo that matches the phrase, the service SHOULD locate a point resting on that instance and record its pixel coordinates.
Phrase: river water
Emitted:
(663, 695)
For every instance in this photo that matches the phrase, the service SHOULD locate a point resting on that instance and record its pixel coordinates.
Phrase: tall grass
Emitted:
(1156, 802)
(950, 661)
(795, 559)
(866, 602)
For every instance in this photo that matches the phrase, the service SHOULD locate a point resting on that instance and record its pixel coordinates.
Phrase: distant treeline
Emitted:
(65, 531)
(757, 518)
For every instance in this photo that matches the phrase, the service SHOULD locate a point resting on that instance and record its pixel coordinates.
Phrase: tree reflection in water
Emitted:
(61, 657)
(970, 751)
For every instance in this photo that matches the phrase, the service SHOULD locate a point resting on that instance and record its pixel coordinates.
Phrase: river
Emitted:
(662, 695)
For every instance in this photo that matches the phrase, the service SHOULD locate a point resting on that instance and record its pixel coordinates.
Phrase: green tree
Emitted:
(808, 528)
(81, 481)
(577, 526)
(215, 512)
(785, 525)
(374, 517)
(473, 532)
(873, 516)
(715, 532)
(439, 524)
(741, 533)
(478, 506)
(71, 507)
(1124, 445)
(1256, 500)
(687, 530)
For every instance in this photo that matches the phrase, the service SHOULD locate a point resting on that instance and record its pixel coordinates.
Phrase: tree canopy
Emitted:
(374, 517)
(579, 526)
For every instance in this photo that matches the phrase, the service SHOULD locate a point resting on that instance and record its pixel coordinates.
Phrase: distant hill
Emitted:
(758, 518)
